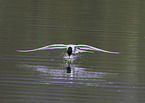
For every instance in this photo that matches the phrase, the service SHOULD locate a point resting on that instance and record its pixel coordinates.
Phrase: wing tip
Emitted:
(117, 52)
(21, 51)
(18, 50)
(113, 52)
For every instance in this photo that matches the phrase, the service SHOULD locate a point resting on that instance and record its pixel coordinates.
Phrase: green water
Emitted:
(46, 76)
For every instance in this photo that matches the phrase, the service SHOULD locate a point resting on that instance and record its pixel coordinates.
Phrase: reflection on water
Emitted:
(68, 68)
(75, 74)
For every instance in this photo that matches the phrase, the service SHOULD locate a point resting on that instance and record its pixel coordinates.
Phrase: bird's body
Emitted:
(71, 48)
(69, 51)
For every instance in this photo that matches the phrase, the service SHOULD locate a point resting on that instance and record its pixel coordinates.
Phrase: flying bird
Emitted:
(71, 48)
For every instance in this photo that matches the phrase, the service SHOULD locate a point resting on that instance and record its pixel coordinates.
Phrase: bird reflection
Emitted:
(68, 68)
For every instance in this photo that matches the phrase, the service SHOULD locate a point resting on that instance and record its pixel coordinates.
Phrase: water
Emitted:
(48, 76)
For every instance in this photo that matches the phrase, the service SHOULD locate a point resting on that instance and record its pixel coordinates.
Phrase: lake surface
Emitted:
(47, 76)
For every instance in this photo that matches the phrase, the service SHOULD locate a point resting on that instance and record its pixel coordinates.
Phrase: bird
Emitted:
(69, 51)
(71, 48)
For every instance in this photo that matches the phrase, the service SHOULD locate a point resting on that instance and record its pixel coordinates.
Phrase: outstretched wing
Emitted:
(87, 47)
(54, 46)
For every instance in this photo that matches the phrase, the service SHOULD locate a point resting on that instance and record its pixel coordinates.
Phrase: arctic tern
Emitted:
(71, 48)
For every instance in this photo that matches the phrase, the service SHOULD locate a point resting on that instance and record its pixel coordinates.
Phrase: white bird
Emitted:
(70, 48)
